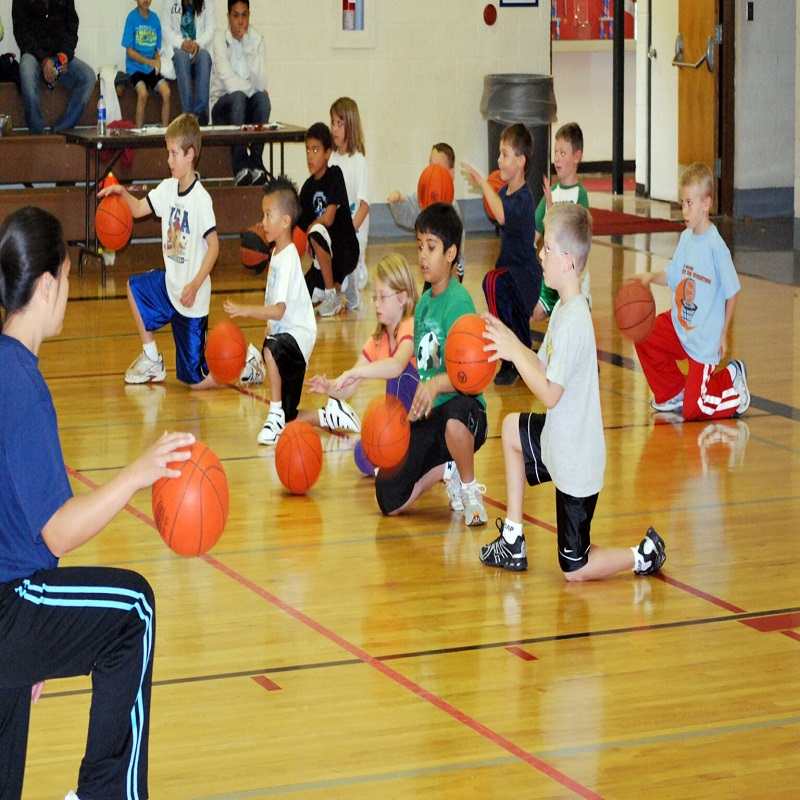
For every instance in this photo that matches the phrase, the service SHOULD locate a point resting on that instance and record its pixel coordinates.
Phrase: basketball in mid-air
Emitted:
(385, 431)
(254, 249)
(226, 352)
(497, 183)
(190, 511)
(468, 366)
(298, 456)
(635, 311)
(113, 222)
(435, 186)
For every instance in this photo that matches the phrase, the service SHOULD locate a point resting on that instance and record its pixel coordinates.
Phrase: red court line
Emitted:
(777, 622)
(699, 593)
(406, 683)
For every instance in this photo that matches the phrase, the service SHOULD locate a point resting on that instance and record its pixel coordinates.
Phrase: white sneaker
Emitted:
(255, 370)
(350, 291)
(361, 275)
(739, 375)
(273, 428)
(71, 796)
(452, 485)
(331, 305)
(143, 369)
(474, 512)
(675, 404)
(339, 415)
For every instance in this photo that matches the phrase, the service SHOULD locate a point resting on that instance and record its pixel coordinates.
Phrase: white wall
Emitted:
(420, 83)
(583, 82)
(765, 88)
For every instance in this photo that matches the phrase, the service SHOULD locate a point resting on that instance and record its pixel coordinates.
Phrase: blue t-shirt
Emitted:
(433, 318)
(33, 476)
(517, 249)
(702, 277)
(144, 36)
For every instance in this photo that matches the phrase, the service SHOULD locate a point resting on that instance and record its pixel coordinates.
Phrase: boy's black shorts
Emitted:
(428, 449)
(292, 367)
(573, 514)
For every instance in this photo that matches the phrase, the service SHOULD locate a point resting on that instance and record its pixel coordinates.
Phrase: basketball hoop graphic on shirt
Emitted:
(684, 297)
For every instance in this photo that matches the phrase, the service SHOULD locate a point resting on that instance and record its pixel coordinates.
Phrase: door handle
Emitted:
(707, 57)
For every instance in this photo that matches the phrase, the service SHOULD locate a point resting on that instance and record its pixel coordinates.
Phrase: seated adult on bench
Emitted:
(239, 88)
(47, 34)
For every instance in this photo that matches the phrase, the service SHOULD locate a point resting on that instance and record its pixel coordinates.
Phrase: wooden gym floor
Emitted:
(324, 651)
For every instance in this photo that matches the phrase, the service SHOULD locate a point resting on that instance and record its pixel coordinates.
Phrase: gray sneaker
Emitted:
(143, 370)
(255, 370)
(740, 384)
(472, 498)
(331, 305)
(350, 291)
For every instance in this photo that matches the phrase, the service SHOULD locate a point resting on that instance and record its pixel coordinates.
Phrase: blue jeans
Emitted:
(200, 69)
(239, 109)
(80, 79)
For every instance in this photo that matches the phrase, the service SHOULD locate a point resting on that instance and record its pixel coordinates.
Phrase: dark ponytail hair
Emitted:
(31, 243)
(198, 6)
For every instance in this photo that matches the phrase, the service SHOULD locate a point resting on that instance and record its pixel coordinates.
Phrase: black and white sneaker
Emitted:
(500, 553)
(651, 554)
(339, 415)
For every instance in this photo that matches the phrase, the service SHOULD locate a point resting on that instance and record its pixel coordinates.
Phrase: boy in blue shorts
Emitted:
(178, 295)
(512, 287)
(142, 42)
(566, 445)
(446, 426)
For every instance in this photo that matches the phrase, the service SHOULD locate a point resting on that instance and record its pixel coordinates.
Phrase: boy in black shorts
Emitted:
(566, 445)
(445, 425)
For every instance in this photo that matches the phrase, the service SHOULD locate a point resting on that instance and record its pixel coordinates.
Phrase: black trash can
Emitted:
(529, 99)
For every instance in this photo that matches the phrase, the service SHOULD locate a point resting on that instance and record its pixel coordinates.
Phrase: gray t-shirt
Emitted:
(573, 444)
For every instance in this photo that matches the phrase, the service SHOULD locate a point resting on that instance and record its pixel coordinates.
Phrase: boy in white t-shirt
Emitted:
(566, 445)
(179, 295)
(292, 326)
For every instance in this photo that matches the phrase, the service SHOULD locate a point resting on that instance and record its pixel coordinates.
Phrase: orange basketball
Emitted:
(190, 511)
(635, 311)
(300, 240)
(113, 222)
(435, 186)
(468, 367)
(226, 352)
(497, 183)
(254, 249)
(385, 431)
(298, 457)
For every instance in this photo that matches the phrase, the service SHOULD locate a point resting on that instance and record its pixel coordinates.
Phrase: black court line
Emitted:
(440, 651)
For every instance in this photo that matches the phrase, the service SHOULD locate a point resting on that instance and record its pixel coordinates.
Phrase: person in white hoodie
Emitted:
(188, 35)
(239, 89)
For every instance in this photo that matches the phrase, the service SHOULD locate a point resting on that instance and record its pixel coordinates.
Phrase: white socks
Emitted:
(151, 351)
(511, 531)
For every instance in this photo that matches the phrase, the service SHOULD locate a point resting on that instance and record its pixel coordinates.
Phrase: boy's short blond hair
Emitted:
(569, 226)
(185, 130)
(698, 174)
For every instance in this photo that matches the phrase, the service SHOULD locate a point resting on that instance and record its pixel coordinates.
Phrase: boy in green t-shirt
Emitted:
(447, 427)
(568, 189)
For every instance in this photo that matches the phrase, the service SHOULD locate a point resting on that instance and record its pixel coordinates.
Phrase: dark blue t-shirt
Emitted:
(517, 244)
(33, 477)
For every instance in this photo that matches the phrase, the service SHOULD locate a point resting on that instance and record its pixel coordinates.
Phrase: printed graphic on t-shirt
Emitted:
(684, 296)
(429, 353)
(319, 203)
(177, 239)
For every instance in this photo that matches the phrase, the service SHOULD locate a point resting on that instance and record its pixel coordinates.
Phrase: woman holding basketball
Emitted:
(387, 354)
(61, 622)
